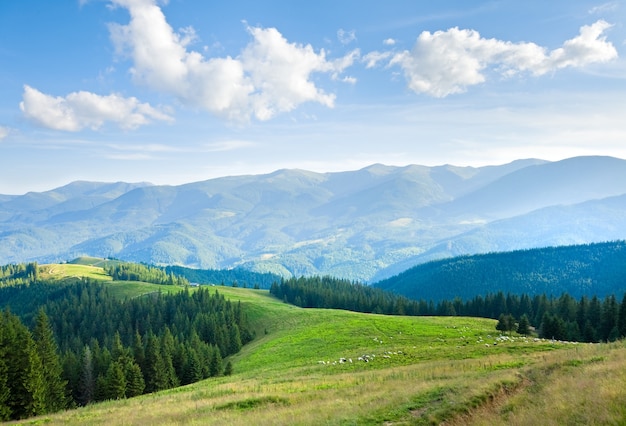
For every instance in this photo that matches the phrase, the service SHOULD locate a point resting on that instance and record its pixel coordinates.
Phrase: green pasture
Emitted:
(420, 371)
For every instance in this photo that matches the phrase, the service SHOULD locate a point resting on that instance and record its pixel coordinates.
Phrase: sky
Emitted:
(178, 91)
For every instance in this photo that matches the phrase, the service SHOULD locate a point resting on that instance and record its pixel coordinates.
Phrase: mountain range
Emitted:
(364, 225)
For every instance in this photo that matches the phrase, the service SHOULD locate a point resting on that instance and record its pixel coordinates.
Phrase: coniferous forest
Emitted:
(588, 319)
(84, 345)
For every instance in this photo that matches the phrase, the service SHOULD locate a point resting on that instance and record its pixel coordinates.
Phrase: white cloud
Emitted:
(389, 42)
(280, 73)
(80, 110)
(4, 132)
(270, 76)
(346, 37)
(447, 62)
(604, 8)
(373, 58)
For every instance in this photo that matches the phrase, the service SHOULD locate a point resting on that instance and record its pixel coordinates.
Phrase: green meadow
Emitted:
(330, 367)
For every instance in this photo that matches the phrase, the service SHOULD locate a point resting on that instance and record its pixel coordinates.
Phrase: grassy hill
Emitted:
(420, 370)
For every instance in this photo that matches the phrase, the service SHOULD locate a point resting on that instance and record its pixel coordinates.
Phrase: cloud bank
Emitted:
(80, 110)
(270, 76)
(447, 62)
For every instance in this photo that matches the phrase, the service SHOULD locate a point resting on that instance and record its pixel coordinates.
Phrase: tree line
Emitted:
(587, 319)
(87, 345)
(237, 277)
(17, 274)
(123, 271)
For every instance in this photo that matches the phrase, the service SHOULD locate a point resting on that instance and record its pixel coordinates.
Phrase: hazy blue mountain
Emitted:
(366, 224)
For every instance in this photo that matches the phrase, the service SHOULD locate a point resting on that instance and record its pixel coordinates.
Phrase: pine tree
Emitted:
(47, 350)
(228, 370)
(168, 348)
(87, 382)
(621, 321)
(234, 339)
(505, 323)
(35, 385)
(154, 373)
(5, 390)
(524, 326)
(24, 377)
(192, 371)
(215, 362)
(135, 384)
(114, 382)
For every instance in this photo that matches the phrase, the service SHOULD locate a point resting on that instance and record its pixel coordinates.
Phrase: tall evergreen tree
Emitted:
(87, 383)
(155, 374)
(51, 370)
(621, 320)
(5, 389)
(135, 383)
(36, 402)
(24, 378)
(524, 326)
(115, 382)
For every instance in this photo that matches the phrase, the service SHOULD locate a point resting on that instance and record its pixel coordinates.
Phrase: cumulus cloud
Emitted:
(389, 42)
(270, 76)
(447, 62)
(4, 132)
(80, 110)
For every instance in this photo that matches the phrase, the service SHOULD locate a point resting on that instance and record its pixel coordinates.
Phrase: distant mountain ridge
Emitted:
(366, 225)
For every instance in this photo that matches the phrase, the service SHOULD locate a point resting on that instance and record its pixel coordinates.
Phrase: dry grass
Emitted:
(584, 386)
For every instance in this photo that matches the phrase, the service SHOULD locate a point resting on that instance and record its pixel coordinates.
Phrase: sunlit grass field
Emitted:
(304, 369)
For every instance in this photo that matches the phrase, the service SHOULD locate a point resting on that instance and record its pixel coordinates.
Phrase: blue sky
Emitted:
(187, 90)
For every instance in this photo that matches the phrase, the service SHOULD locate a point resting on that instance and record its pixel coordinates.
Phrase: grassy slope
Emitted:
(426, 370)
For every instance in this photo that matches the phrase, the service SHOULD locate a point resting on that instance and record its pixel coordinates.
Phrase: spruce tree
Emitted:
(24, 378)
(524, 326)
(135, 384)
(5, 390)
(51, 370)
(168, 348)
(87, 381)
(36, 401)
(154, 373)
(228, 370)
(215, 362)
(192, 371)
(115, 382)
(621, 320)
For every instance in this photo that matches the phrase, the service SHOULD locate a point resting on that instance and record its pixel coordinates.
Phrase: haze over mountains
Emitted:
(366, 224)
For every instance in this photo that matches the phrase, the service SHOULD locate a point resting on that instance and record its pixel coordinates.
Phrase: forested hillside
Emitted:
(72, 342)
(237, 277)
(588, 319)
(578, 270)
